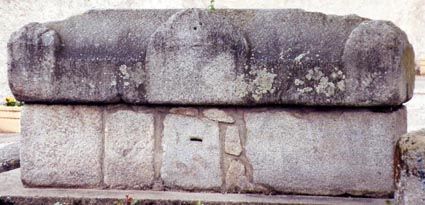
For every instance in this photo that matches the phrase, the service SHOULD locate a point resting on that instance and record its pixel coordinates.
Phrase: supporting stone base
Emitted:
(262, 150)
(12, 192)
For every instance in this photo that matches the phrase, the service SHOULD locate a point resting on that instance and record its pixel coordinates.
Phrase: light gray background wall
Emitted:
(407, 14)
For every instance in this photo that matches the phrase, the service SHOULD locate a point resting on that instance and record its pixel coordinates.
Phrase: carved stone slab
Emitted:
(199, 57)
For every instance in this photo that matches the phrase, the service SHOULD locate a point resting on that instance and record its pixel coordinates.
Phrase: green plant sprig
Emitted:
(211, 7)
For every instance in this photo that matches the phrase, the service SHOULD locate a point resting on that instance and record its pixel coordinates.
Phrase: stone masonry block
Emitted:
(267, 150)
(61, 146)
(129, 147)
(191, 153)
(324, 152)
(226, 57)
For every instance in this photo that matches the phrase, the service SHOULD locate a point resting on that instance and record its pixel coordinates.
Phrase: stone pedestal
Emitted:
(252, 101)
(265, 150)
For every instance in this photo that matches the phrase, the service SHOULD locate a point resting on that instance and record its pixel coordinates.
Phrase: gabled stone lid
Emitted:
(225, 57)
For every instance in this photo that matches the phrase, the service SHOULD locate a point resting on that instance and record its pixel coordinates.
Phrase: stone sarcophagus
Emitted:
(255, 101)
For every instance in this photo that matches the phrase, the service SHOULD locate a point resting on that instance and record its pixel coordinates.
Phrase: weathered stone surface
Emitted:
(9, 151)
(32, 59)
(286, 150)
(228, 57)
(412, 150)
(329, 152)
(196, 51)
(129, 148)
(236, 179)
(77, 60)
(411, 184)
(218, 115)
(61, 145)
(191, 153)
(385, 51)
(410, 190)
(9, 156)
(232, 141)
(310, 70)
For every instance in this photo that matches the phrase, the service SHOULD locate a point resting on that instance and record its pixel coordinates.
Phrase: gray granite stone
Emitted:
(412, 150)
(410, 190)
(324, 152)
(93, 57)
(411, 182)
(9, 156)
(61, 146)
(375, 49)
(191, 153)
(227, 57)
(9, 151)
(195, 58)
(129, 148)
(32, 59)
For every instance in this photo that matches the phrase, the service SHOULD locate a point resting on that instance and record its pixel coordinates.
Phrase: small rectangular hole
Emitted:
(195, 139)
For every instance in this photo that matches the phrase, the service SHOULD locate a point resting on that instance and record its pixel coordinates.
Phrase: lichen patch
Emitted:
(261, 84)
(298, 82)
(325, 87)
(123, 72)
(316, 80)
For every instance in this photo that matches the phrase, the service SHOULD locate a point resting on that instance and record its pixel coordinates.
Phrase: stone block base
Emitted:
(262, 150)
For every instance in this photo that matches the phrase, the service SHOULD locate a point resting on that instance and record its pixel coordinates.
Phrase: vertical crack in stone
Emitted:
(157, 159)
